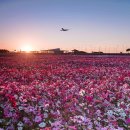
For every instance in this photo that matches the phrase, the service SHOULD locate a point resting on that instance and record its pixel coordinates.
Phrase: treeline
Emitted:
(4, 51)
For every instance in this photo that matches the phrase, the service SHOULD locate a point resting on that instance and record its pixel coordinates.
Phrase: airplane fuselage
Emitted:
(62, 29)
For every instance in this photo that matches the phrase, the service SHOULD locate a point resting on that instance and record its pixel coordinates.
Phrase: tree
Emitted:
(127, 50)
(77, 52)
(4, 51)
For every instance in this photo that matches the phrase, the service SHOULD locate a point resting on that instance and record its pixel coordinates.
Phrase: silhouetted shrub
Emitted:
(4, 51)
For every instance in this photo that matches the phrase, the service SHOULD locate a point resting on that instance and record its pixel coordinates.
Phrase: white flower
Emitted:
(46, 105)
(20, 108)
(16, 96)
(45, 115)
(110, 113)
(123, 114)
(20, 124)
(42, 124)
(99, 118)
(82, 104)
(81, 92)
(50, 122)
(118, 104)
(120, 110)
(90, 126)
(20, 128)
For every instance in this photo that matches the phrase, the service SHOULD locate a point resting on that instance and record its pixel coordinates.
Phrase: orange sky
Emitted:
(94, 25)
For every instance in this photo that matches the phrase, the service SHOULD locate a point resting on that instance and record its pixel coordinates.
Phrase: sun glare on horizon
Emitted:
(27, 48)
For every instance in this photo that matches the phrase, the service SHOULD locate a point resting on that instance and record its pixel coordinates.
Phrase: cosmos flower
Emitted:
(110, 113)
(62, 92)
(20, 124)
(42, 124)
(81, 92)
(128, 121)
(38, 118)
(20, 128)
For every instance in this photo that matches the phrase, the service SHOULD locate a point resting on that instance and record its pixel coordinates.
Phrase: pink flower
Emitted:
(128, 121)
(47, 128)
(41, 91)
(89, 99)
(72, 128)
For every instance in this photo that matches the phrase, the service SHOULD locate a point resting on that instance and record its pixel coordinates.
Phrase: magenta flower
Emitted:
(64, 92)
(128, 121)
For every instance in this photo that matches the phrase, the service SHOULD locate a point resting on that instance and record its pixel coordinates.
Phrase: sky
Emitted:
(94, 25)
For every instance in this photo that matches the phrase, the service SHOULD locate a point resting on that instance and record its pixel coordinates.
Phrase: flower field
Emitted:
(54, 92)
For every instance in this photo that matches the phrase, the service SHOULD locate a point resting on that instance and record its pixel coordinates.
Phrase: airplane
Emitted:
(62, 29)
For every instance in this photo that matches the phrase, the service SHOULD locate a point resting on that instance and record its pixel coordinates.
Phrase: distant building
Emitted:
(34, 51)
(53, 51)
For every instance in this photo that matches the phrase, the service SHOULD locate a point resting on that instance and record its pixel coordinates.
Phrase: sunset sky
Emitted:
(94, 24)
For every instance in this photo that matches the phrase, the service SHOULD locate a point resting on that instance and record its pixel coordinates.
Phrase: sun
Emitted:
(27, 48)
